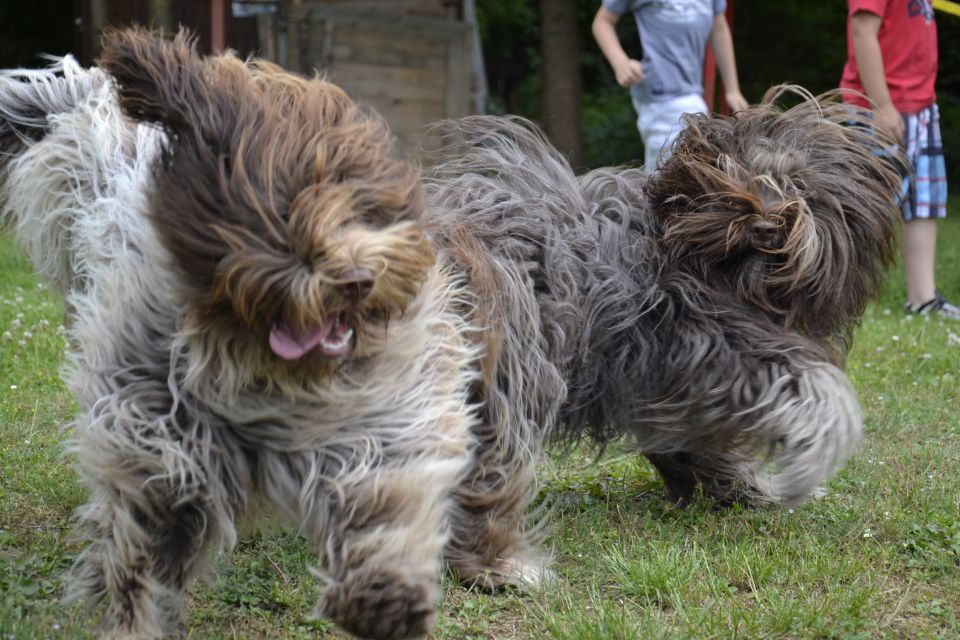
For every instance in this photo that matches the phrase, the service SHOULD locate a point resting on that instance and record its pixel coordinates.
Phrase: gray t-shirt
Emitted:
(674, 36)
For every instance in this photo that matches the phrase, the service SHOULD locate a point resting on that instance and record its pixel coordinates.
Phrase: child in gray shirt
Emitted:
(668, 81)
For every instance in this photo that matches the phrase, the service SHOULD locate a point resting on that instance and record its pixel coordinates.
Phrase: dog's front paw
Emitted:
(382, 605)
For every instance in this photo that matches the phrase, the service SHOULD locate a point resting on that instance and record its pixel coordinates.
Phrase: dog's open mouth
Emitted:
(331, 339)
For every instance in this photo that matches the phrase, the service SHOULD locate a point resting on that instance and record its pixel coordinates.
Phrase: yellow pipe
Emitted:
(947, 7)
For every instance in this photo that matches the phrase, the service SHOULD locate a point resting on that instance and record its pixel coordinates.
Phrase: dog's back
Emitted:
(574, 272)
(506, 209)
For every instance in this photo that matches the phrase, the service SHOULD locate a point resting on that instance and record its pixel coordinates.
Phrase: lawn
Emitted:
(878, 557)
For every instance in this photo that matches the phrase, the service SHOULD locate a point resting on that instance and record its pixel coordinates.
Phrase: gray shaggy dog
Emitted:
(260, 327)
(706, 310)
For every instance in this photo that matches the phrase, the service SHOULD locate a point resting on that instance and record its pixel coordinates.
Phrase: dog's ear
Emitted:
(157, 80)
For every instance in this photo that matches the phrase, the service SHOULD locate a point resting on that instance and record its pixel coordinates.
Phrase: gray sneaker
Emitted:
(939, 305)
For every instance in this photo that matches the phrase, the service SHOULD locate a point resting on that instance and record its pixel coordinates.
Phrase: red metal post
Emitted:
(218, 26)
(709, 78)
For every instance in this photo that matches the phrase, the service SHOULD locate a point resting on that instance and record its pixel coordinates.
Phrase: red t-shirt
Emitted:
(908, 42)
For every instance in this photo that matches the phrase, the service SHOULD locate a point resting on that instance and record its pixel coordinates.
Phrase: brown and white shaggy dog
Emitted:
(260, 326)
(267, 316)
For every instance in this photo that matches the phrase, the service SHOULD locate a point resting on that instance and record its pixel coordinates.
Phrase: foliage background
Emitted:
(795, 41)
(784, 41)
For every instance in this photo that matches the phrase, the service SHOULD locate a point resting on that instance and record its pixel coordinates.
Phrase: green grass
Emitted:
(879, 557)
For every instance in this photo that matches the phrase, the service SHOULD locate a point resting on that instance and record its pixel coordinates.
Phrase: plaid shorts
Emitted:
(925, 189)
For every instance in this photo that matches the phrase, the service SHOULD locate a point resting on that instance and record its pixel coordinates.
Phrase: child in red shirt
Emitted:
(892, 58)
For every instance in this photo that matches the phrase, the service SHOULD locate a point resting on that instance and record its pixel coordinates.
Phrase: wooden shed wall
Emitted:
(414, 61)
(411, 60)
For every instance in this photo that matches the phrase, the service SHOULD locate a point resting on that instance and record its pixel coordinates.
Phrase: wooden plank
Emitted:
(331, 43)
(382, 47)
(406, 98)
(267, 36)
(433, 78)
(415, 81)
(387, 57)
(457, 101)
(406, 116)
(295, 43)
(409, 60)
(424, 8)
(384, 96)
(421, 24)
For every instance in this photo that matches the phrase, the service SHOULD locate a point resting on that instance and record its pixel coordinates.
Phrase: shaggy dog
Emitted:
(705, 311)
(268, 317)
(260, 326)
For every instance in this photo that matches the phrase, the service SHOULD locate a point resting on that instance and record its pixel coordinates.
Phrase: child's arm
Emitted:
(864, 27)
(721, 40)
(627, 70)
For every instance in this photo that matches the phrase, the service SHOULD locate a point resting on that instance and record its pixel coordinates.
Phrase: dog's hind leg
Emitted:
(494, 536)
(490, 544)
(676, 471)
(726, 478)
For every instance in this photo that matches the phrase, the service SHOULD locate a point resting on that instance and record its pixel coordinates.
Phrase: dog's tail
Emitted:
(821, 428)
(28, 97)
(39, 186)
(802, 427)
(71, 168)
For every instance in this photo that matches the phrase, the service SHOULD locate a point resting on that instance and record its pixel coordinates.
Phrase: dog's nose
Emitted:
(765, 233)
(356, 284)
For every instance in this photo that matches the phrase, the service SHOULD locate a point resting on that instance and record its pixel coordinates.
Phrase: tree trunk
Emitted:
(561, 87)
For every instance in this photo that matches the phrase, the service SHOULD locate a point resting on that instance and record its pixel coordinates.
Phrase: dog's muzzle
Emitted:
(765, 235)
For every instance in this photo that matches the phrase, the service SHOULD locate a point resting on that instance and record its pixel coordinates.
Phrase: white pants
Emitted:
(659, 123)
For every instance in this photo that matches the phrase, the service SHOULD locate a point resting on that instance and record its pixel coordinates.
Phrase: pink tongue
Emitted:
(290, 346)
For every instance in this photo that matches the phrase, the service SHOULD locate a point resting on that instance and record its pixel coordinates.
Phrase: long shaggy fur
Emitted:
(261, 327)
(706, 310)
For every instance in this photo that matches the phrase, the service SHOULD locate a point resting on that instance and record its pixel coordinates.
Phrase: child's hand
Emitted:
(629, 73)
(736, 101)
(890, 119)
